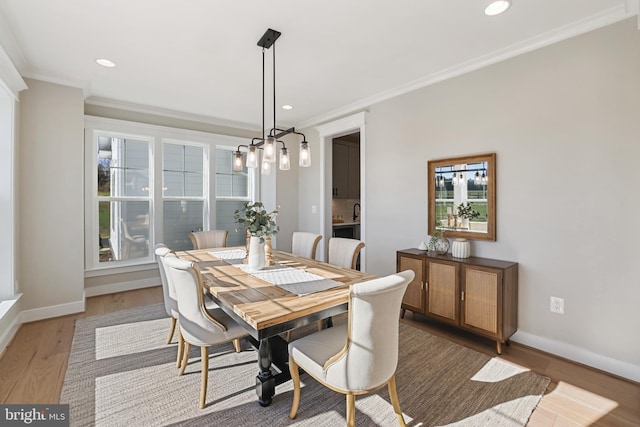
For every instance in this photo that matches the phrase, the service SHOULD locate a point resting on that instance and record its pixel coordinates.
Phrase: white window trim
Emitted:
(157, 135)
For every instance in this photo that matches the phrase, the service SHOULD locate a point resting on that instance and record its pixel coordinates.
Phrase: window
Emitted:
(233, 189)
(147, 184)
(183, 191)
(123, 198)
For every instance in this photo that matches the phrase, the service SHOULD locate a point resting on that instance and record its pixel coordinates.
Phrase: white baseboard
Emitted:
(52, 311)
(579, 354)
(10, 321)
(121, 287)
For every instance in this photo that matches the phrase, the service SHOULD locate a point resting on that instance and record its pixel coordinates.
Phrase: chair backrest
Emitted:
(344, 252)
(370, 356)
(305, 244)
(196, 325)
(170, 302)
(209, 239)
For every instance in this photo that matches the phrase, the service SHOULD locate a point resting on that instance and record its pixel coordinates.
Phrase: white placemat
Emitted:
(230, 254)
(291, 279)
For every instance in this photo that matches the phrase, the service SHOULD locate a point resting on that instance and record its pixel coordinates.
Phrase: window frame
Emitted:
(157, 135)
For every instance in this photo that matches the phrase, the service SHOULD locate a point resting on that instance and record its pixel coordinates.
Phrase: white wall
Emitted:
(563, 121)
(50, 209)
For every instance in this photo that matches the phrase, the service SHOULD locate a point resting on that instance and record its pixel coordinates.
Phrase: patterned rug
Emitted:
(121, 373)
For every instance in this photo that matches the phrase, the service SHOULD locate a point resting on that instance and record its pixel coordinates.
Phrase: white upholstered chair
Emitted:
(209, 239)
(361, 356)
(344, 252)
(199, 326)
(305, 244)
(170, 302)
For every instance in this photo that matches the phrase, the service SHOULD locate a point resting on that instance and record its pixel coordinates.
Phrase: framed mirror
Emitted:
(462, 196)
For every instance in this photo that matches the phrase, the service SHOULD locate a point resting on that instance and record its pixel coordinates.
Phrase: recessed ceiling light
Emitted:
(105, 63)
(287, 107)
(497, 7)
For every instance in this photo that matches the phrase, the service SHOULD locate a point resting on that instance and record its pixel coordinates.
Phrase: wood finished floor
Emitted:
(33, 366)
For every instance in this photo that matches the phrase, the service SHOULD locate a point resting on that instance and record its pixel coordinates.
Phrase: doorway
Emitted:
(354, 124)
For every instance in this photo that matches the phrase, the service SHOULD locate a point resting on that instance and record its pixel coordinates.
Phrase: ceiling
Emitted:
(200, 59)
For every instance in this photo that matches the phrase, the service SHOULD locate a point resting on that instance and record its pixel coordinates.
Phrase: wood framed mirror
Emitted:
(462, 196)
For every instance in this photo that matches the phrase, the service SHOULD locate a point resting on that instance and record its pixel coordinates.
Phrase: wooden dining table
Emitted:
(267, 310)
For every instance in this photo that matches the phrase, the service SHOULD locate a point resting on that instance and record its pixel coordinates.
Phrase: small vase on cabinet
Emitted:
(461, 248)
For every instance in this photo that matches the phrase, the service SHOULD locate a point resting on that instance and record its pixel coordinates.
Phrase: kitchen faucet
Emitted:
(355, 215)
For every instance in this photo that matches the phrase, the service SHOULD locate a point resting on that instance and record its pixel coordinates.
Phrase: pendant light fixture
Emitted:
(269, 144)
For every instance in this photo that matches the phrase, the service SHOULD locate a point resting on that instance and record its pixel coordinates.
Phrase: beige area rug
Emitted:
(121, 373)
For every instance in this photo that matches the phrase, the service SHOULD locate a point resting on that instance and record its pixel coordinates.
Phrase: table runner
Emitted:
(294, 280)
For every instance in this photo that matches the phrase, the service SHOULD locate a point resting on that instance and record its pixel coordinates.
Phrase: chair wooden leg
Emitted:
(394, 400)
(172, 329)
(295, 377)
(180, 349)
(320, 324)
(288, 336)
(185, 357)
(351, 410)
(236, 345)
(204, 352)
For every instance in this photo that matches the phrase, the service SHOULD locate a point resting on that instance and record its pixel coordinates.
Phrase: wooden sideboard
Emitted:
(476, 294)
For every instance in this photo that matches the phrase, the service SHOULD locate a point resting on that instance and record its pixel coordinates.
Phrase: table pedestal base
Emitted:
(272, 354)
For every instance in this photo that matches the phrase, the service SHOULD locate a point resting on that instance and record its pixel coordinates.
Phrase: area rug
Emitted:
(121, 372)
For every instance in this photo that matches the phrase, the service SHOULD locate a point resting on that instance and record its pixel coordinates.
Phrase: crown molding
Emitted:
(78, 84)
(164, 112)
(594, 22)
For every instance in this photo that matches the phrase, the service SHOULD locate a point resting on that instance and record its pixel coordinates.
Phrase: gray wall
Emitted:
(50, 206)
(563, 121)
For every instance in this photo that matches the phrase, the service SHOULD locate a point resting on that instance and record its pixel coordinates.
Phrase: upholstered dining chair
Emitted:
(199, 326)
(305, 244)
(361, 356)
(209, 239)
(344, 252)
(170, 302)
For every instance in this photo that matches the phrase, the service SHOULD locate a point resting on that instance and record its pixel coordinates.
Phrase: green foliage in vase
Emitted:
(434, 238)
(256, 220)
(466, 211)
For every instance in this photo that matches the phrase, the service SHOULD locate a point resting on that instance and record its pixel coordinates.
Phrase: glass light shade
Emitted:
(285, 164)
(484, 179)
(497, 7)
(269, 150)
(266, 167)
(305, 155)
(476, 179)
(237, 161)
(454, 180)
(461, 180)
(252, 157)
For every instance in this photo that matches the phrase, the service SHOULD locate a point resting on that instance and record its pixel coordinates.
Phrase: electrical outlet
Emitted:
(556, 305)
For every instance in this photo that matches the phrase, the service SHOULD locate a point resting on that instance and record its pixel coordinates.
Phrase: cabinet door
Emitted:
(482, 301)
(442, 291)
(414, 296)
(353, 183)
(340, 171)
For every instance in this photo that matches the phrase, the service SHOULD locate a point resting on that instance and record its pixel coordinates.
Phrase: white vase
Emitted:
(256, 254)
(461, 248)
(464, 223)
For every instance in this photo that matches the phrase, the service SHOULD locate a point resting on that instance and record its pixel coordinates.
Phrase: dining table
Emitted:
(290, 292)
